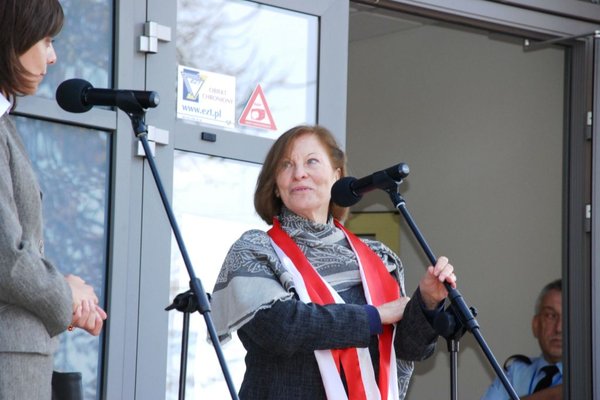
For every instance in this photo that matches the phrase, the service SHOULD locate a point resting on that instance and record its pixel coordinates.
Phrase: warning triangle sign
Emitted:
(257, 113)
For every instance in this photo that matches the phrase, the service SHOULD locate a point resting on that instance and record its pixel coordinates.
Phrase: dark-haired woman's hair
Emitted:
(266, 203)
(24, 23)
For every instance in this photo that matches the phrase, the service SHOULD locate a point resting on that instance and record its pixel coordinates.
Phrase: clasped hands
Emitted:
(432, 291)
(87, 314)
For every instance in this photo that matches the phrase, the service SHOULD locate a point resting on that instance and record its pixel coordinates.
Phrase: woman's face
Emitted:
(305, 177)
(35, 60)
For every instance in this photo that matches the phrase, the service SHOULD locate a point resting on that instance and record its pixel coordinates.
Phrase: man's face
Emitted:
(547, 326)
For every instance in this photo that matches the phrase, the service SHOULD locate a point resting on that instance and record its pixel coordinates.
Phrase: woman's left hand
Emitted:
(432, 286)
(392, 312)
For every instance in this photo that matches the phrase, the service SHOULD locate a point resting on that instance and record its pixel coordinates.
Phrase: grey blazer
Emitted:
(35, 300)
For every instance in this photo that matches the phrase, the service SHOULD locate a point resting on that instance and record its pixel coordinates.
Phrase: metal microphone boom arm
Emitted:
(459, 306)
(129, 104)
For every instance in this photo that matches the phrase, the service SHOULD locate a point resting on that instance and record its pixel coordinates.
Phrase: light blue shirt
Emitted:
(523, 378)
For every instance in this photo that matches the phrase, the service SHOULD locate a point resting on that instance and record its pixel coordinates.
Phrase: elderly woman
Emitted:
(321, 313)
(36, 301)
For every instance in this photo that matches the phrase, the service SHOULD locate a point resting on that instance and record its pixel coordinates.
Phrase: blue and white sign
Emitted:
(205, 96)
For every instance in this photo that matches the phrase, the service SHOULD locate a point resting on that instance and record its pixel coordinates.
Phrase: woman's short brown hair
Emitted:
(24, 23)
(266, 203)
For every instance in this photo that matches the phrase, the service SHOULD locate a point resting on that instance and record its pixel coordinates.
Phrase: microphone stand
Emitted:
(457, 304)
(187, 304)
(127, 102)
(448, 326)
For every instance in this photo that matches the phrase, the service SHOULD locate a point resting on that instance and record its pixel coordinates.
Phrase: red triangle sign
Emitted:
(257, 111)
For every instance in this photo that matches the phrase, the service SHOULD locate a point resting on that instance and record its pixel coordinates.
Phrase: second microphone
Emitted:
(348, 190)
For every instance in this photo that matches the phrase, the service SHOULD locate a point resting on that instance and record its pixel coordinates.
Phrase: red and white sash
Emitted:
(379, 288)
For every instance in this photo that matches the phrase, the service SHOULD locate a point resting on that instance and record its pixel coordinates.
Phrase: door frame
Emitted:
(573, 25)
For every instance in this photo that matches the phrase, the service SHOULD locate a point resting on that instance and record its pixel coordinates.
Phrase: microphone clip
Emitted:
(382, 180)
(127, 102)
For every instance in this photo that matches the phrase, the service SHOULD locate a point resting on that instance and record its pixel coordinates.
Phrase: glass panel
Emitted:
(72, 165)
(83, 47)
(255, 44)
(213, 204)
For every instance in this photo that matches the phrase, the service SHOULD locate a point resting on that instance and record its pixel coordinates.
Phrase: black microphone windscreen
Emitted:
(70, 94)
(342, 193)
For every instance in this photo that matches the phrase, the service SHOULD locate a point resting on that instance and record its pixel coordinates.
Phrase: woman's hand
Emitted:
(89, 317)
(432, 286)
(87, 314)
(392, 312)
(81, 290)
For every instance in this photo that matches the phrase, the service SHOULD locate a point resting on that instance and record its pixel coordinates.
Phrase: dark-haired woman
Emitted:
(36, 301)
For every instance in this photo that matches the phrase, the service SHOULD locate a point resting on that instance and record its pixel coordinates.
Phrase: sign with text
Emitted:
(205, 96)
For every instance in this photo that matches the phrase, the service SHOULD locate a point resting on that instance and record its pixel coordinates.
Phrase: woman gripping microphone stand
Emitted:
(308, 298)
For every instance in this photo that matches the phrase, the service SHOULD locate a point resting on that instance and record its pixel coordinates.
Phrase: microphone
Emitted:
(79, 96)
(348, 190)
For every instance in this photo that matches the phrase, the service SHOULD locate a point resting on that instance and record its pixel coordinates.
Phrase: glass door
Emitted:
(232, 77)
(213, 199)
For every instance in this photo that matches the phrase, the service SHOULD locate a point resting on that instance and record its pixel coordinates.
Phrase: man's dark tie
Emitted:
(546, 381)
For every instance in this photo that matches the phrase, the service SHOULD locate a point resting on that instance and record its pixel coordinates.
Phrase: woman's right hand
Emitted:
(392, 312)
(87, 314)
(432, 287)
(89, 317)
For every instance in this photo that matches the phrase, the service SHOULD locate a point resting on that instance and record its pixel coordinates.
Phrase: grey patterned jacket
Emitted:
(35, 300)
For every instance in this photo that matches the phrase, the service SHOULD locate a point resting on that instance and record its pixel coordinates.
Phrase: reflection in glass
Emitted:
(84, 46)
(213, 204)
(72, 166)
(257, 44)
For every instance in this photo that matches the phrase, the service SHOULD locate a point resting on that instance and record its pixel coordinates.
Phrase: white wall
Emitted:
(480, 123)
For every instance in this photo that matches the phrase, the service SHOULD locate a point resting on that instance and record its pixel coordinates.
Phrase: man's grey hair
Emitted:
(554, 285)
